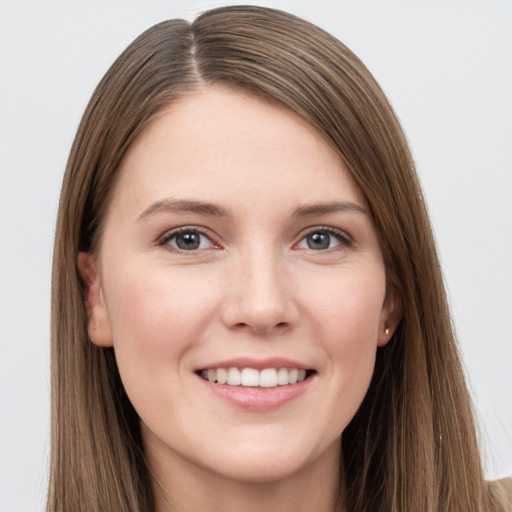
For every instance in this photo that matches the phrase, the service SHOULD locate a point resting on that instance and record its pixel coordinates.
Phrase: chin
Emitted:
(271, 463)
(262, 469)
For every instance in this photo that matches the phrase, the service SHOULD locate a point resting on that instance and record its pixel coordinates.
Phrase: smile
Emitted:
(251, 377)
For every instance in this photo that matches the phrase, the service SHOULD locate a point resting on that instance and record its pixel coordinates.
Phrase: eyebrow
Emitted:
(325, 208)
(202, 208)
(184, 205)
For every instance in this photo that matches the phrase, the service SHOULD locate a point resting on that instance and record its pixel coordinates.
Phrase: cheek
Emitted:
(157, 314)
(158, 319)
(348, 314)
(348, 308)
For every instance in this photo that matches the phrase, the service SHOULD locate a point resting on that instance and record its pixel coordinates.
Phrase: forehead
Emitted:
(219, 142)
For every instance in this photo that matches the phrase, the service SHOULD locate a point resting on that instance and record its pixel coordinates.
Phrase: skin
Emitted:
(254, 288)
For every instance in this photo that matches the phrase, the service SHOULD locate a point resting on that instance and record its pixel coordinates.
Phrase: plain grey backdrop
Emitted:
(447, 69)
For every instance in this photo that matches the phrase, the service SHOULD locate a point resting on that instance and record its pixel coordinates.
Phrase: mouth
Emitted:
(254, 378)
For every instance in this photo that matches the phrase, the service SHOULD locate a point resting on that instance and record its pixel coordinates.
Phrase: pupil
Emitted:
(188, 241)
(318, 241)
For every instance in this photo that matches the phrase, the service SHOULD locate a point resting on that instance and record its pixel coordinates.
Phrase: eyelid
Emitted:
(345, 240)
(169, 234)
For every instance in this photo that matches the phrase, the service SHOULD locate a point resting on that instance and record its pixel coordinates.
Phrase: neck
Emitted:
(181, 486)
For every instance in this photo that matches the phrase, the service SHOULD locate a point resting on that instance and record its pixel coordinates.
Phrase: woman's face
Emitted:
(236, 246)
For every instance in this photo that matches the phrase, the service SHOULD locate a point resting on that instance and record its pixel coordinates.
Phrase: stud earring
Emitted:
(386, 329)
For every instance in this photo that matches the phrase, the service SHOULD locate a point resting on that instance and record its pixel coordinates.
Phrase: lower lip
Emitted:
(258, 399)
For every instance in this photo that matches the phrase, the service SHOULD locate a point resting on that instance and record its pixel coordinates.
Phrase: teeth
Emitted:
(283, 377)
(267, 378)
(234, 377)
(249, 377)
(222, 376)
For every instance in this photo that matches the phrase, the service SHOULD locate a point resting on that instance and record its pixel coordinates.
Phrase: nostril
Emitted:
(260, 328)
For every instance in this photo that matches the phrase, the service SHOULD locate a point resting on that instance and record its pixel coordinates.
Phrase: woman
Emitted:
(247, 301)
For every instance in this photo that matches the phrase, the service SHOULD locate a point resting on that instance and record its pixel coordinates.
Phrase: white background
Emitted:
(447, 69)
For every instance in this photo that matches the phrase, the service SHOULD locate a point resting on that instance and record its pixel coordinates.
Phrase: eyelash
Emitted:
(340, 236)
(343, 239)
(165, 239)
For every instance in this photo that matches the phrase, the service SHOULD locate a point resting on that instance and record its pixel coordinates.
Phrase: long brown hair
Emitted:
(412, 445)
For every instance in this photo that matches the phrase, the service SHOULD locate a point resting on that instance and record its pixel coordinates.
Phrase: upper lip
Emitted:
(257, 364)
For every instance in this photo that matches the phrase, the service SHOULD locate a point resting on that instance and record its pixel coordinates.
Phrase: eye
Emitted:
(187, 239)
(324, 239)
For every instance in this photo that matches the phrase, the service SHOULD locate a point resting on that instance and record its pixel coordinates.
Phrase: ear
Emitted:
(391, 315)
(98, 322)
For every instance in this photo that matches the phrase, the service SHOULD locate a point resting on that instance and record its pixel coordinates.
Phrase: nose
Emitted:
(260, 296)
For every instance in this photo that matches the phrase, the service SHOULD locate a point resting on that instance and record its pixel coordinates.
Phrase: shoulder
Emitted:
(502, 490)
